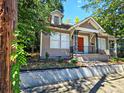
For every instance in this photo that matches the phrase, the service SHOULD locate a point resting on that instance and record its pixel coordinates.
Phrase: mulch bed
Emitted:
(42, 65)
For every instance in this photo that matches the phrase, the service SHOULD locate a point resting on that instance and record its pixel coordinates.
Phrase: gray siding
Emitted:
(52, 52)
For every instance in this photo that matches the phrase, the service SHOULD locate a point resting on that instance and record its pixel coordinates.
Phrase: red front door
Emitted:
(80, 44)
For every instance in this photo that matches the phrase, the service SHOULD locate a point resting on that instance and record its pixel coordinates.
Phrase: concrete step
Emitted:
(92, 57)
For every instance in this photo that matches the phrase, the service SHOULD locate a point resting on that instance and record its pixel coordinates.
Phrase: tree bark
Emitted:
(8, 14)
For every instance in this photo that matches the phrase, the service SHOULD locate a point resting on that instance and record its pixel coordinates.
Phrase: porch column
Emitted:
(71, 45)
(76, 41)
(97, 45)
(115, 47)
(108, 46)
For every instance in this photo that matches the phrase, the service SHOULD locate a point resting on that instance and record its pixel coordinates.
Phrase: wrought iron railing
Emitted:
(83, 49)
(91, 50)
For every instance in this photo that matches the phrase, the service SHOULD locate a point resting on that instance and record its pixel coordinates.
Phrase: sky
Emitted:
(72, 9)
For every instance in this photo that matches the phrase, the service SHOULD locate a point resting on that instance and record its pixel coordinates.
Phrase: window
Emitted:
(55, 40)
(102, 43)
(59, 40)
(56, 20)
(65, 41)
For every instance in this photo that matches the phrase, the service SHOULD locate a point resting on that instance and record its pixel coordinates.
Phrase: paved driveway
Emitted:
(113, 84)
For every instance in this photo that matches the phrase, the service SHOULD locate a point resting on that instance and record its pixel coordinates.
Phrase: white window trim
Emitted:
(52, 20)
(51, 40)
(101, 45)
(60, 42)
(67, 41)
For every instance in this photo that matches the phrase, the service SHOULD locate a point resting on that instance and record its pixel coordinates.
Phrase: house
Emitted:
(84, 38)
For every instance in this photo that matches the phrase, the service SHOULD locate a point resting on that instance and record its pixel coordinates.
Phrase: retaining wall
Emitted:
(30, 79)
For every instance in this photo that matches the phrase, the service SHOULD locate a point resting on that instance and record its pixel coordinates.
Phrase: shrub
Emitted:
(114, 60)
(60, 59)
(74, 60)
(121, 59)
(46, 56)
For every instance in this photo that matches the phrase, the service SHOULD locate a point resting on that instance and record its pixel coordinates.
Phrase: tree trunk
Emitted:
(8, 14)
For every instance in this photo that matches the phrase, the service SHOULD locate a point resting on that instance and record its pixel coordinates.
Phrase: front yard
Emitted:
(34, 63)
(46, 65)
(64, 64)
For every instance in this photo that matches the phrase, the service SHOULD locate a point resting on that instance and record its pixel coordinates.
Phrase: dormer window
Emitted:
(56, 17)
(56, 20)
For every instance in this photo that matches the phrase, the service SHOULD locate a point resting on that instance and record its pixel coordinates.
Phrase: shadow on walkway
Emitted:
(98, 85)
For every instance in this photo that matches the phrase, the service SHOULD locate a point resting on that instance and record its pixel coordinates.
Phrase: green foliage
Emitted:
(74, 60)
(77, 20)
(60, 59)
(121, 59)
(109, 14)
(46, 56)
(120, 48)
(114, 60)
(20, 57)
(67, 21)
(33, 17)
(50, 64)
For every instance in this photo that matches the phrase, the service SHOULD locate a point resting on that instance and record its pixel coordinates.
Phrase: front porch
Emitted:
(90, 38)
(83, 43)
(88, 43)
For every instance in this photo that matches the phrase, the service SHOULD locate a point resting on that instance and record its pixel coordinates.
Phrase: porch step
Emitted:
(92, 57)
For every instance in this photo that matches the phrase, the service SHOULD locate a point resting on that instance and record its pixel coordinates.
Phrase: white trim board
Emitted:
(41, 43)
(82, 29)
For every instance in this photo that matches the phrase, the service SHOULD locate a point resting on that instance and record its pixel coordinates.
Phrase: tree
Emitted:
(67, 21)
(109, 14)
(7, 25)
(33, 17)
(77, 20)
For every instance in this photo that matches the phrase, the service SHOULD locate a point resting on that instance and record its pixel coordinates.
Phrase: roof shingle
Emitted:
(65, 26)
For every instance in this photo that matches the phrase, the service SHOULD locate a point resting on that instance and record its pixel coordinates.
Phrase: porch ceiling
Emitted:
(82, 29)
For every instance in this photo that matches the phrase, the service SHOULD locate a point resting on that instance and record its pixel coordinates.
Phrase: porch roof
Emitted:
(82, 29)
(89, 20)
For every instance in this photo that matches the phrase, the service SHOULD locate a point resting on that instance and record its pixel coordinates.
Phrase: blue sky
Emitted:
(72, 8)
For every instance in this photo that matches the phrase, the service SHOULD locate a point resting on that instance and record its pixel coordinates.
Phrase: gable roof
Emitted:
(88, 19)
